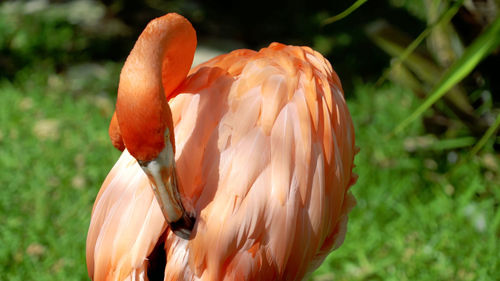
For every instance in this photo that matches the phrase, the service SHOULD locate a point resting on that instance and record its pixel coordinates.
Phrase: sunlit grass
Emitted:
(413, 221)
(54, 155)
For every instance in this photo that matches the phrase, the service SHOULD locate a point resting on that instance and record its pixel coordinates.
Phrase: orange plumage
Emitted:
(264, 156)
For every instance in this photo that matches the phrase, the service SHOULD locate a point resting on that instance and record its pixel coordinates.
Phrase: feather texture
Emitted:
(264, 155)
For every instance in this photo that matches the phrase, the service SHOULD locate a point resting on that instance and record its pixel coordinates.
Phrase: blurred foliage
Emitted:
(428, 205)
(461, 67)
(41, 34)
(452, 52)
(87, 29)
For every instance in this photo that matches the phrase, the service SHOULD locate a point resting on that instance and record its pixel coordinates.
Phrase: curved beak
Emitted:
(163, 178)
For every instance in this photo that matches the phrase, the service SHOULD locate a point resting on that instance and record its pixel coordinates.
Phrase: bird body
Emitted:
(264, 149)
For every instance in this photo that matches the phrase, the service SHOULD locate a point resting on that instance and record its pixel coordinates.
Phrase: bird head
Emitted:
(157, 65)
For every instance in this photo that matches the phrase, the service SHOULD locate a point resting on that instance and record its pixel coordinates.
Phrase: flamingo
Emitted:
(238, 169)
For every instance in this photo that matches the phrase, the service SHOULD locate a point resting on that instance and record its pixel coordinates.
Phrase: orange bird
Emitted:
(237, 169)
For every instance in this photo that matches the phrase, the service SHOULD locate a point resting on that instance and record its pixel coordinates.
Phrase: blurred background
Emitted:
(420, 77)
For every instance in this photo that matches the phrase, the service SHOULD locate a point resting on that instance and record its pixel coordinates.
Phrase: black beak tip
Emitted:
(183, 227)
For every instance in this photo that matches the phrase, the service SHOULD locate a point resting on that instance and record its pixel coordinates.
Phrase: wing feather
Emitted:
(125, 225)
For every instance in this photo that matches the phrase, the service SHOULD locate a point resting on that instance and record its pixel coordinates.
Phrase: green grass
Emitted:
(413, 221)
(54, 155)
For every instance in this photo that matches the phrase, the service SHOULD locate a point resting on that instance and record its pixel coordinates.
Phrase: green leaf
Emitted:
(396, 43)
(491, 130)
(444, 18)
(345, 13)
(479, 49)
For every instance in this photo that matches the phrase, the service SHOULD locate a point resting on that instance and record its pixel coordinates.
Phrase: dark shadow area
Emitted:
(157, 260)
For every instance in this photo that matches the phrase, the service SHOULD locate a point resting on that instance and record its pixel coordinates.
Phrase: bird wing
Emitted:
(265, 148)
(125, 225)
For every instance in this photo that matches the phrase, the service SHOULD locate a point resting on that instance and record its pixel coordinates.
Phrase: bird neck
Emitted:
(157, 65)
